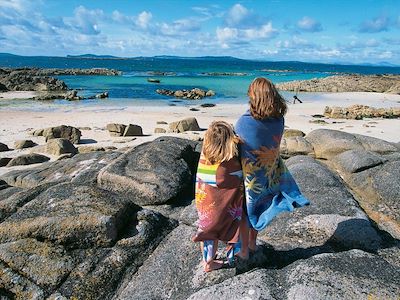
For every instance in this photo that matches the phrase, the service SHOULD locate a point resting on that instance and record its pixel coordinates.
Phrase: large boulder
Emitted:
(45, 264)
(348, 275)
(153, 173)
(332, 221)
(181, 274)
(188, 124)
(100, 271)
(60, 146)
(21, 144)
(3, 147)
(81, 169)
(116, 129)
(27, 159)
(295, 145)
(133, 130)
(66, 132)
(75, 216)
(353, 161)
(377, 195)
(328, 143)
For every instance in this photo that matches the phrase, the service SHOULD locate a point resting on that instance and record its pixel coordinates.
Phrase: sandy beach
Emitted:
(18, 124)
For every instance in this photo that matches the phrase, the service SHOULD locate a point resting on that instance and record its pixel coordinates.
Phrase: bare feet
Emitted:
(213, 265)
(243, 255)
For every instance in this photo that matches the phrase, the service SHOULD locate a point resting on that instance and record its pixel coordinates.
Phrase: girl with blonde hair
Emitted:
(219, 194)
(269, 187)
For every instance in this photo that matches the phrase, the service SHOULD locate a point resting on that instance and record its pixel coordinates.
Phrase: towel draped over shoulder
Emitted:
(269, 187)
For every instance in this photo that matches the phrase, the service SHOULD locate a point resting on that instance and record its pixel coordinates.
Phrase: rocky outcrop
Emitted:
(3, 147)
(359, 112)
(27, 159)
(153, 173)
(193, 94)
(60, 146)
(24, 80)
(188, 124)
(66, 132)
(116, 129)
(102, 225)
(57, 72)
(345, 83)
(21, 144)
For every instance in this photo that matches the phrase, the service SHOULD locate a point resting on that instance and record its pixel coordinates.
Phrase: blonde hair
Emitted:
(265, 100)
(220, 142)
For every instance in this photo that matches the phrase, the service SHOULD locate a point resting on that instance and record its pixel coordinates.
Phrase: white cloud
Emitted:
(309, 24)
(378, 24)
(85, 21)
(179, 27)
(143, 19)
(241, 17)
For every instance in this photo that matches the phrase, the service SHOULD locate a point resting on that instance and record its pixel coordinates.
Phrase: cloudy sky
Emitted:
(355, 31)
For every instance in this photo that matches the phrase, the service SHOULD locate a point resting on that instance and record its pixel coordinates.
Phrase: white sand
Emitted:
(17, 125)
(11, 95)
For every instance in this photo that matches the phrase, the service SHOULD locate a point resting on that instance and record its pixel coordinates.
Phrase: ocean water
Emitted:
(132, 87)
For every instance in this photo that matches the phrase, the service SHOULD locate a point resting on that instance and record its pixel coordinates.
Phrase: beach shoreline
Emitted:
(18, 124)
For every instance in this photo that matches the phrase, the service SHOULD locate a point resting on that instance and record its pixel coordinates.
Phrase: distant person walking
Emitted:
(269, 187)
(295, 98)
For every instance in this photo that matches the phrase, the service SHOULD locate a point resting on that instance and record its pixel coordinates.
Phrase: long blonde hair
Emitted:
(265, 100)
(220, 142)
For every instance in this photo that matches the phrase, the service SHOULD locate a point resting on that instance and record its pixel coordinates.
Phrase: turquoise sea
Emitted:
(132, 88)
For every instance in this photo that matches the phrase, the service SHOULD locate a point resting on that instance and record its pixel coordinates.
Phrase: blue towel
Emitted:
(270, 188)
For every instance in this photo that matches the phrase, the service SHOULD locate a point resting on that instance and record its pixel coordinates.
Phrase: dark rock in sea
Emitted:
(193, 94)
(24, 144)
(188, 124)
(25, 80)
(194, 109)
(323, 122)
(207, 105)
(66, 132)
(116, 129)
(60, 146)
(49, 96)
(3, 147)
(102, 95)
(153, 173)
(27, 159)
(80, 169)
(72, 95)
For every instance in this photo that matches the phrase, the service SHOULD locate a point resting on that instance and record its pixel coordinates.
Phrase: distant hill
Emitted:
(94, 56)
(198, 57)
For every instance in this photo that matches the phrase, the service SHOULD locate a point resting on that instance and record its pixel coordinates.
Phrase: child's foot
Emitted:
(242, 255)
(213, 265)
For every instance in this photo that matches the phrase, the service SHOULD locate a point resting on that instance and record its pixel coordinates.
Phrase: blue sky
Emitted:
(355, 31)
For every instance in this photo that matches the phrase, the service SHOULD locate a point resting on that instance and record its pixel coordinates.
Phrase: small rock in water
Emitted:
(208, 105)
(194, 109)
(318, 122)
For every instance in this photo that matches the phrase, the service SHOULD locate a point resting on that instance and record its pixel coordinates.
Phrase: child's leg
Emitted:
(244, 239)
(252, 239)
(209, 249)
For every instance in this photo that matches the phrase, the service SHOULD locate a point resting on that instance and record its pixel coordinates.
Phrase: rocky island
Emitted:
(35, 79)
(346, 83)
(117, 224)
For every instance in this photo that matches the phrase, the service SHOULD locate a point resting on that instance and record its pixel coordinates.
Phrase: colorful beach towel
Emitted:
(219, 200)
(269, 187)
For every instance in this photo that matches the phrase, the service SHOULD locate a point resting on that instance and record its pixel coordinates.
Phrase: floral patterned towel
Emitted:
(269, 187)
